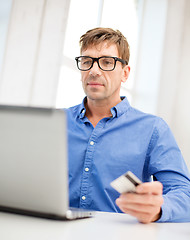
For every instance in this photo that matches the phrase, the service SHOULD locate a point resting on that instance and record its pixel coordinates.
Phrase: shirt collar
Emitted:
(82, 109)
(120, 108)
(116, 111)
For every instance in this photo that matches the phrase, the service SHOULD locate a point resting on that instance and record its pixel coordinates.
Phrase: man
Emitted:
(107, 137)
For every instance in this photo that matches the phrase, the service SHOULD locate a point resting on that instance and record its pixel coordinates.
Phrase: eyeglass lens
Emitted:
(105, 63)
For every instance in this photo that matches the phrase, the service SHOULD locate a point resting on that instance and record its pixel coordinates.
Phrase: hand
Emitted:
(145, 204)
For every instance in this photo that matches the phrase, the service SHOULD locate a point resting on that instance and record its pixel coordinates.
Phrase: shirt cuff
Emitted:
(165, 216)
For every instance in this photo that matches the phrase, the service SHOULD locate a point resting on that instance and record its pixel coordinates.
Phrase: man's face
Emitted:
(102, 85)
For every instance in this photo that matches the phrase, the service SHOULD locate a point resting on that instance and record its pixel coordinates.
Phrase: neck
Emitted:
(97, 110)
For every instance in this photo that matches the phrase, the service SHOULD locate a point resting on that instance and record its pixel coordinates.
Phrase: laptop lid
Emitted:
(33, 160)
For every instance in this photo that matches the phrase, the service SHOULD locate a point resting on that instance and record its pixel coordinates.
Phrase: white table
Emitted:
(102, 226)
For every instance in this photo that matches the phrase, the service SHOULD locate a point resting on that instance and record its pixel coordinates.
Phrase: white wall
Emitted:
(152, 24)
(162, 85)
(5, 10)
(33, 52)
(174, 89)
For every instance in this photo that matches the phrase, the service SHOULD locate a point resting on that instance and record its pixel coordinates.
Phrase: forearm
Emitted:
(176, 206)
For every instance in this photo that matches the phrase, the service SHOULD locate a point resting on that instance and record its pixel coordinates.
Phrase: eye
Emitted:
(86, 61)
(107, 62)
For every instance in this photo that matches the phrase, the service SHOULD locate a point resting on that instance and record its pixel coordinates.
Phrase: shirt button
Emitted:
(91, 143)
(86, 169)
(83, 197)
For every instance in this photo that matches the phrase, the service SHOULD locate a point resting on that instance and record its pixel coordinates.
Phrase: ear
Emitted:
(125, 75)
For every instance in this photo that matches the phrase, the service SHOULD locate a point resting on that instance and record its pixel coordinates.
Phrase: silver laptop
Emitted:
(33, 163)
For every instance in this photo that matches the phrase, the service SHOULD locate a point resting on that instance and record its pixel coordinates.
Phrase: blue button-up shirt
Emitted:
(128, 140)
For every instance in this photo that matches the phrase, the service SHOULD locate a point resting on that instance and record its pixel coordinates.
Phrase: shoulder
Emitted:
(153, 120)
(155, 126)
(73, 111)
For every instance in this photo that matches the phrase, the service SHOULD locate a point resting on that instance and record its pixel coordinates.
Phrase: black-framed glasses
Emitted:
(105, 63)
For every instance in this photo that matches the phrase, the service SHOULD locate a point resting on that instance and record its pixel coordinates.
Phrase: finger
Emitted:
(144, 213)
(145, 217)
(146, 199)
(150, 187)
(141, 208)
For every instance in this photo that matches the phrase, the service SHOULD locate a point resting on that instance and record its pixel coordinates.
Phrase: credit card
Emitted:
(126, 183)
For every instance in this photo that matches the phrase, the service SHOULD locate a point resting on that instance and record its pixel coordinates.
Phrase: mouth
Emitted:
(95, 84)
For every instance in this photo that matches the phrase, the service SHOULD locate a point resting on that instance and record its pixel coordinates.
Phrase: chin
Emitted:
(95, 97)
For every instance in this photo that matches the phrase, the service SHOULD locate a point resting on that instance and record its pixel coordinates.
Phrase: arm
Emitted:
(176, 194)
(150, 204)
(164, 161)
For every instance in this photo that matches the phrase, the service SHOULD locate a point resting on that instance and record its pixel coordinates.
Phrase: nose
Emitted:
(95, 70)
